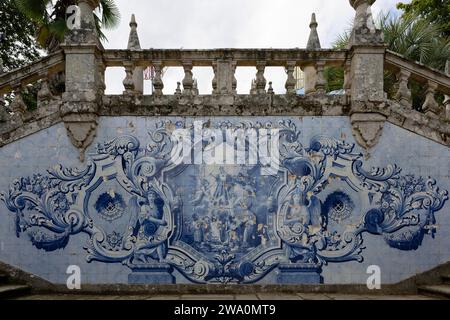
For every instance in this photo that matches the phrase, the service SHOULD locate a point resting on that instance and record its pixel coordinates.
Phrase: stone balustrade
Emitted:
(433, 82)
(224, 63)
(82, 62)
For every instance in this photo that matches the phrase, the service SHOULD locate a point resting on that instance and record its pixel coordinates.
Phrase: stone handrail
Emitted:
(433, 80)
(242, 57)
(40, 69)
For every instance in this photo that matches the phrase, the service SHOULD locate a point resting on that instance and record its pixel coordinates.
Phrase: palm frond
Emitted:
(110, 14)
(34, 10)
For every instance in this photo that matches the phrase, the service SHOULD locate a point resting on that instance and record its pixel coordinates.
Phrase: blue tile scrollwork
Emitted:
(224, 223)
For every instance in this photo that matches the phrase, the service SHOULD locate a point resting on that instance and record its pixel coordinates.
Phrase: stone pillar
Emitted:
(84, 83)
(134, 44)
(366, 76)
(367, 55)
(224, 79)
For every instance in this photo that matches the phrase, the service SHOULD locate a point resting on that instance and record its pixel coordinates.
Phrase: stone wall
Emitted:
(322, 187)
(324, 216)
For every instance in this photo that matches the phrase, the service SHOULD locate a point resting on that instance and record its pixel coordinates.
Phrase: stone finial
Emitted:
(87, 8)
(134, 44)
(253, 87)
(364, 30)
(87, 32)
(178, 89)
(133, 39)
(313, 40)
(195, 88)
(270, 89)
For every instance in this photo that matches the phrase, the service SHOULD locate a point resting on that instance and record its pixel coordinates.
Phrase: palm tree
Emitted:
(413, 37)
(49, 19)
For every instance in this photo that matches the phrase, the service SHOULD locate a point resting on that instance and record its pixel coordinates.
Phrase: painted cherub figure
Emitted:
(146, 221)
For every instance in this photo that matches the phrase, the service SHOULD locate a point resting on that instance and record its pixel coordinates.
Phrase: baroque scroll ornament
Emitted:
(227, 224)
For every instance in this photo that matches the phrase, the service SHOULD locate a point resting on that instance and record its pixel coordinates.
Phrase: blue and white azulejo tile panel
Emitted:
(295, 198)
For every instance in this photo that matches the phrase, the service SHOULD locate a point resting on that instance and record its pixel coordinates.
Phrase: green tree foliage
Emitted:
(18, 46)
(435, 11)
(49, 18)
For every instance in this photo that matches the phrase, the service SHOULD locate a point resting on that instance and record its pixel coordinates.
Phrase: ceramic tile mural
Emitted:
(154, 219)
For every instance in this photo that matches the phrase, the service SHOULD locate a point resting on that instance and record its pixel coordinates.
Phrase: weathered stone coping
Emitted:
(41, 68)
(234, 105)
(243, 57)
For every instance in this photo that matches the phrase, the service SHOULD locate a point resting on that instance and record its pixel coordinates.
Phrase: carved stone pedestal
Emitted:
(299, 273)
(367, 128)
(154, 273)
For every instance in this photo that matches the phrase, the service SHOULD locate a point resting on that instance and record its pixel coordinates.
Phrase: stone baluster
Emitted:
(430, 106)
(128, 82)
(320, 85)
(233, 77)
(260, 79)
(101, 77)
(44, 94)
(18, 106)
(188, 81)
(290, 81)
(403, 95)
(347, 77)
(214, 80)
(447, 97)
(253, 87)
(158, 84)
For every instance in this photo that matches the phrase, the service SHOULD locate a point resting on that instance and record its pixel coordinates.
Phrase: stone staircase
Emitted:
(9, 289)
(438, 290)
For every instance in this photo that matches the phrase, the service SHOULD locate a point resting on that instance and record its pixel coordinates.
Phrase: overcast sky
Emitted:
(203, 24)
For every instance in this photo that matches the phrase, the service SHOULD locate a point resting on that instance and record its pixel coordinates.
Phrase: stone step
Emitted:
(446, 279)
(437, 290)
(10, 291)
(3, 278)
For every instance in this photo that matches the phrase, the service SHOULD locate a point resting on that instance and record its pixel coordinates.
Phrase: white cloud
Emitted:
(228, 24)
